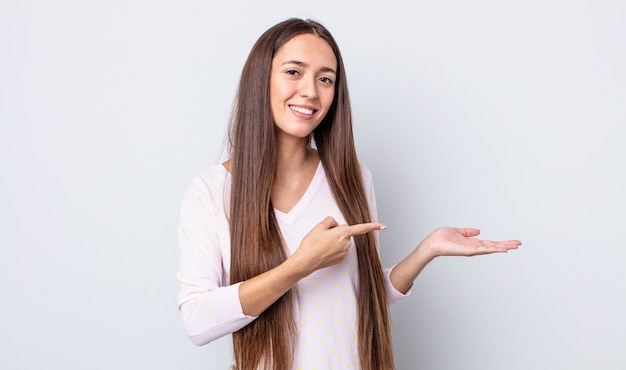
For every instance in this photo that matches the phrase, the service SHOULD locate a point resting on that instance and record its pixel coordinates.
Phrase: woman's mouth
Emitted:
(301, 110)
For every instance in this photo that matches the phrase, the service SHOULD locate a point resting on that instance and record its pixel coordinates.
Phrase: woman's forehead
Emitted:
(307, 48)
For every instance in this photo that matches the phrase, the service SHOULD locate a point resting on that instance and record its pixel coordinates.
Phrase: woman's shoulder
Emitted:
(216, 171)
(211, 179)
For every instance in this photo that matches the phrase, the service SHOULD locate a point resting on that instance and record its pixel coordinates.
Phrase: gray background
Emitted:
(502, 115)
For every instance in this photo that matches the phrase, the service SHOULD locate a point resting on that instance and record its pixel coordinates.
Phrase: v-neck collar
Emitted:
(315, 184)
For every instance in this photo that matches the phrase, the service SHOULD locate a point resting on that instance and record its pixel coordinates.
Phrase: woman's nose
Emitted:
(307, 87)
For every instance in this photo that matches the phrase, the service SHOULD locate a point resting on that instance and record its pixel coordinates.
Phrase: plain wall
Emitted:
(502, 115)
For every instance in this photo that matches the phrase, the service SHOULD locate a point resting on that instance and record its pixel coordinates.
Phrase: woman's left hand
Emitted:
(450, 241)
(444, 241)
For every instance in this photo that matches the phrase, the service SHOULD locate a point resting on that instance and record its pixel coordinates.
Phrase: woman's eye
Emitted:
(326, 80)
(292, 72)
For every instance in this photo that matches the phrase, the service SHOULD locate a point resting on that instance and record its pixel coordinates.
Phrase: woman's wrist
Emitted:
(426, 249)
(297, 267)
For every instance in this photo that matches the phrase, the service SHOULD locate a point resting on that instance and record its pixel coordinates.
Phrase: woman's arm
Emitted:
(208, 304)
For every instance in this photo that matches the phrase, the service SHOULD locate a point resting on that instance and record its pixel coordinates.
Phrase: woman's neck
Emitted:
(294, 156)
(289, 163)
(295, 170)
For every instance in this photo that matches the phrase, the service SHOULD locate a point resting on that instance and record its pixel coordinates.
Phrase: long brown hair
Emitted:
(256, 243)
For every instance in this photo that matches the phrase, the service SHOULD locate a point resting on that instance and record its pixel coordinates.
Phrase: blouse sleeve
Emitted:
(393, 295)
(209, 305)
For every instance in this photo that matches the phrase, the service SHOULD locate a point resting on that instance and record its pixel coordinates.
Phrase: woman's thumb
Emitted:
(329, 222)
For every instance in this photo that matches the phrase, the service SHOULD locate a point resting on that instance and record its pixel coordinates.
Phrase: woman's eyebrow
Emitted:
(303, 64)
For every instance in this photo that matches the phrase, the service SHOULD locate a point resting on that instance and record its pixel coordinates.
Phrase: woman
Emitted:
(278, 244)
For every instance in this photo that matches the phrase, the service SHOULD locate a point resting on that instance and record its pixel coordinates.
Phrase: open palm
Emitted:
(450, 241)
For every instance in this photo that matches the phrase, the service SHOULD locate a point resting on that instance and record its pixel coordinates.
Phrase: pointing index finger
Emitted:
(360, 229)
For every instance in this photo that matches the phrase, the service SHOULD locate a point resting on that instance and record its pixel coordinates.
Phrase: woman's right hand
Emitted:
(327, 244)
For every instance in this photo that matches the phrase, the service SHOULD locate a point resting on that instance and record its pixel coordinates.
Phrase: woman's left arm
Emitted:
(444, 241)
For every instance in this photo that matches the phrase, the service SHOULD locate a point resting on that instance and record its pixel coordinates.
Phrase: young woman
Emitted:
(278, 244)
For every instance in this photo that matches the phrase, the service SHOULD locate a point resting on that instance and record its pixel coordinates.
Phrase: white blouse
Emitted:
(325, 301)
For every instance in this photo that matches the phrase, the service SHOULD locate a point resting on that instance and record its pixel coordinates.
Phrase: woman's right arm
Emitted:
(208, 303)
(325, 245)
(260, 292)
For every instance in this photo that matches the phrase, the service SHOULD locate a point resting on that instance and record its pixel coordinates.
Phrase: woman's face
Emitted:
(302, 85)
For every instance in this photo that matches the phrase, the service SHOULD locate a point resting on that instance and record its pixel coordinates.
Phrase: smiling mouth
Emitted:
(301, 110)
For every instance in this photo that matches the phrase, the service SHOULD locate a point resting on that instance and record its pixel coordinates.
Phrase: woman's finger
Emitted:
(360, 229)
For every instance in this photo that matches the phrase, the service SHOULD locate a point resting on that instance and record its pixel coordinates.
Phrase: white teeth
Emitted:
(301, 110)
